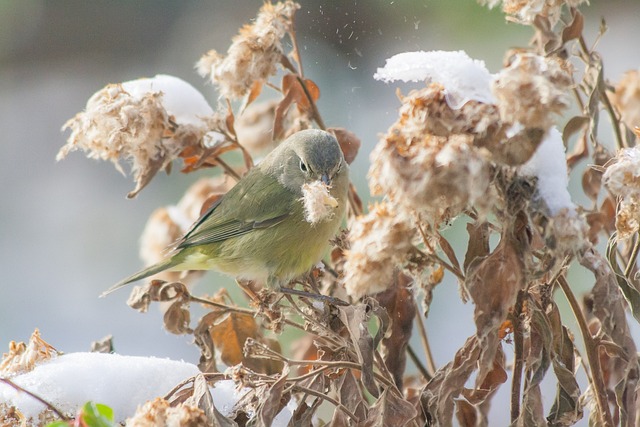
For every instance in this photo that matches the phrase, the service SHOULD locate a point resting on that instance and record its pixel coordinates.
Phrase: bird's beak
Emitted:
(325, 178)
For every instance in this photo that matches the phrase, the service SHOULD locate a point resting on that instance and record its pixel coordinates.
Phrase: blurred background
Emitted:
(67, 232)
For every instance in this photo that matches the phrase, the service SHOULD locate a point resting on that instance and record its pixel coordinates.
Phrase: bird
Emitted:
(259, 230)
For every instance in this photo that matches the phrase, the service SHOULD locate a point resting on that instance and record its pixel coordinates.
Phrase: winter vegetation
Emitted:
(490, 151)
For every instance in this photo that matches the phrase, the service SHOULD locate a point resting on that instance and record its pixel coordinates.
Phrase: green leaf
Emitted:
(58, 424)
(97, 415)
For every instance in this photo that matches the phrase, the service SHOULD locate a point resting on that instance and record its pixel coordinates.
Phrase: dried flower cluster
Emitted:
(626, 98)
(622, 178)
(532, 90)
(158, 412)
(24, 357)
(134, 122)
(380, 241)
(467, 144)
(526, 11)
(254, 53)
(427, 162)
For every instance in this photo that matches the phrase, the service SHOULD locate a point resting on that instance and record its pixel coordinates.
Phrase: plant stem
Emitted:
(425, 343)
(328, 399)
(517, 364)
(632, 258)
(418, 364)
(15, 386)
(593, 356)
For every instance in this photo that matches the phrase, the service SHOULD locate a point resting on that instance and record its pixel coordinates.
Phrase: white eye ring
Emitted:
(303, 167)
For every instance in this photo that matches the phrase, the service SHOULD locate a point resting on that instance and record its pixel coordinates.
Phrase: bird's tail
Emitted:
(149, 271)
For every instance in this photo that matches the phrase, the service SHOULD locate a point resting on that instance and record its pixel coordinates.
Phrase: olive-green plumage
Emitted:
(258, 231)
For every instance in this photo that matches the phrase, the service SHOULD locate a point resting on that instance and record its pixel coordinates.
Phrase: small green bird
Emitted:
(259, 230)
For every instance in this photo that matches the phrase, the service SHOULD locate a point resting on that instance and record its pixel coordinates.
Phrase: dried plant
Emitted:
(489, 154)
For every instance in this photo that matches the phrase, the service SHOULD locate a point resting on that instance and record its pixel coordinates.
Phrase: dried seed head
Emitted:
(253, 54)
(160, 412)
(626, 98)
(427, 161)
(531, 89)
(380, 242)
(525, 11)
(622, 178)
(23, 357)
(146, 121)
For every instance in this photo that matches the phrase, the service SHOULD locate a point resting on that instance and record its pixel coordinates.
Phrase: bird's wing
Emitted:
(257, 201)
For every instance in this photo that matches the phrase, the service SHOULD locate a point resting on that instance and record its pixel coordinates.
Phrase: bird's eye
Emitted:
(303, 166)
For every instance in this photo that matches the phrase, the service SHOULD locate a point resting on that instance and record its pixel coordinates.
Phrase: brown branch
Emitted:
(18, 388)
(518, 358)
(425, 343)
(418, 364)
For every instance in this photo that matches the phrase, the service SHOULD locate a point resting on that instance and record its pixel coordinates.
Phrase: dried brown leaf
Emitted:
(355, 318)
(304, 415)
(349, 390)
(466, 413)
(401, 309)
(252, 95)
(437, 399)
(229, 331)
(478, 247)
(349, 143)
(567, 406)
(581, 149)
(274, 400)
(592, 183)
(177, 316)
(575, 27)
(293, 92)
(390, 410)
(493, 284)
(201, 398)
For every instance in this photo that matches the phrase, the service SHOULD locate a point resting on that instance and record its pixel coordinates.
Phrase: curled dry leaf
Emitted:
(303, 93)
(177, 316)
(349, 143)
(349, 391)
(438, 396)
(355, 318)
(609, 308)
(399, 303)
(272, 402)
(493, 284)
(390, 410)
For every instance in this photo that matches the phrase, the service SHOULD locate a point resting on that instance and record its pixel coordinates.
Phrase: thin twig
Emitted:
(632, 258)
(425, 342)
(518, 358)
(592, 350)
(433, 254)
(296, 51)
(418, 364)
(228, 169)
(15, 386)
(328, 399)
